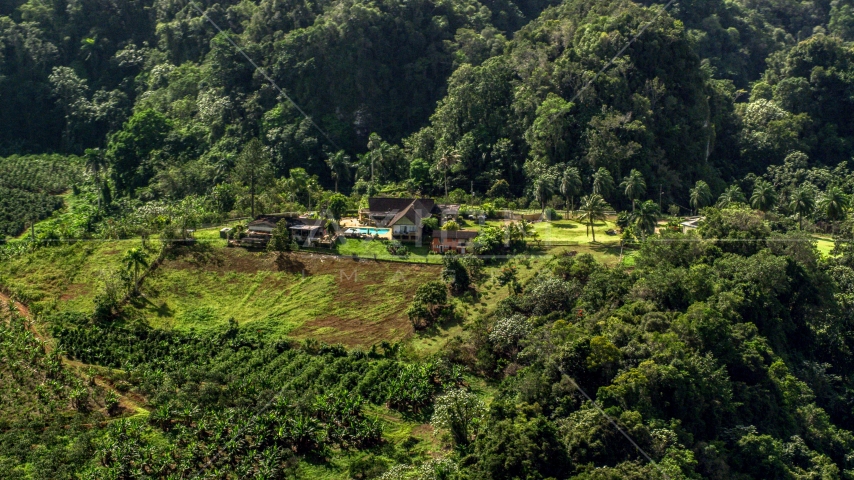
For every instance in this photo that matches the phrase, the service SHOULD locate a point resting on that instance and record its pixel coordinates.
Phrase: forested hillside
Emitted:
(650, 263)
(711, 91)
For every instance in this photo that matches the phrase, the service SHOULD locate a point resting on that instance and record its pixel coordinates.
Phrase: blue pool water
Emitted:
(372, 231)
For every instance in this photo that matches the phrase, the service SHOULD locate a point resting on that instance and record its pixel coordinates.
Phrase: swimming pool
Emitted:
(370, 231)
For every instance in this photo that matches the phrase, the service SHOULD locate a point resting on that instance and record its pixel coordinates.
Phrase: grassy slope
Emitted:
(66, 276)
(300, 295)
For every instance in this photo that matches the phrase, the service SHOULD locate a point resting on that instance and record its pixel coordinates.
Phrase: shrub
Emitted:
(499, 189)
(430, 302)
(507, 332)
(396, 248)
(461, 413)
(451, 226)
(112, 403)
(488, 209)
(549, 294)
(455, 274)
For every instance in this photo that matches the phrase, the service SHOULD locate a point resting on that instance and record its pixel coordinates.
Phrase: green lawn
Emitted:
(824, 245)
(377, 249)
(573, 231)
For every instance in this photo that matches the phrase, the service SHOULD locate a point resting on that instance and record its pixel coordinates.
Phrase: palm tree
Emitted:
(339, 166)
(603, 182)
(730, 196)
(526, 228)
(570, 185)
(134, 260)
(593, 208)
(542, 189)
(834, 203)
(764, 196)
(802, 203)
(446, 161)
(700, 195)
(646, 217)
(633, 186)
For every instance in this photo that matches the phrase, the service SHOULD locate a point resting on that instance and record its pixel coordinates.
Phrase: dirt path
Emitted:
(129, 402)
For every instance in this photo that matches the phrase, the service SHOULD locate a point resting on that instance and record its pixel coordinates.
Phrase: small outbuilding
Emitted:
(460, 241)
(691, 223)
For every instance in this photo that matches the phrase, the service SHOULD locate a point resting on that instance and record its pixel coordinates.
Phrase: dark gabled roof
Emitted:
(379, 205)
(414, 209)
(454, 234)
(317, 222)
(412, 212)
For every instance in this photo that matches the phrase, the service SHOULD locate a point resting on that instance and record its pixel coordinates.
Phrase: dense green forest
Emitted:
(711, 90)
(721, 352)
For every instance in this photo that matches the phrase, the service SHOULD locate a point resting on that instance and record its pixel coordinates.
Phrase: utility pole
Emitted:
(472, 189)
(660, 191)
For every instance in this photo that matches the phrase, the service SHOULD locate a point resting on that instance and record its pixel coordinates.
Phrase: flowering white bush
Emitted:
(508, 331)
(461, 413)
(436, 469)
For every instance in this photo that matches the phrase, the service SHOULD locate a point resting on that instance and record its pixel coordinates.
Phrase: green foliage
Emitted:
(730, 197)
(209, 387)
(507, 276)
(281, 240)
(834, 203)
(130, 149)
(684, 352)
(337, 206)
(396, 248)
(603, 182)
(253, 169)
(764, 196)
(455, 274)
(419, 171)
(134, 261)
(451, 225)
(429, 305)
(519, 448)
(499, 189)
(28, 185)
(460, 413)
(634, 186)
(592, 208)
(645, 218)
(725, 353)
(700, 195)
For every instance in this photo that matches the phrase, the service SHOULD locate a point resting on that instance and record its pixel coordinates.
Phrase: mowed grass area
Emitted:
(561, 236)
(300, 295)
(824, 245)
(377, 249)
